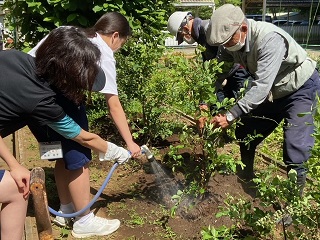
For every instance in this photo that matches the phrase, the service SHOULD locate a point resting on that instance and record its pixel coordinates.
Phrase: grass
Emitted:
(272, 145)
(135, 219)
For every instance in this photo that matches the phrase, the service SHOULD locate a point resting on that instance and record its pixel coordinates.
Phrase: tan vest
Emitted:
(295, 69)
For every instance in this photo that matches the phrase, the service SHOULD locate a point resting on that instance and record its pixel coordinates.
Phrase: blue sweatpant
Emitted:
(298, 128)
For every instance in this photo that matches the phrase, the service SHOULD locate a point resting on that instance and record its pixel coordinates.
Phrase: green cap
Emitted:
(224, 22)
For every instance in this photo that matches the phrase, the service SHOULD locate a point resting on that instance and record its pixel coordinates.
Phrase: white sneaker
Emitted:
(62, 221)
(95, 226)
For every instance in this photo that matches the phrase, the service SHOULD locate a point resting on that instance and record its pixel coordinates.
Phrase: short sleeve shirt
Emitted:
(24, 96)
(108, 65)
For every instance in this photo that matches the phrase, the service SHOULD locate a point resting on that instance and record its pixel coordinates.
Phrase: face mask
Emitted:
(190, 40)
(237, 46)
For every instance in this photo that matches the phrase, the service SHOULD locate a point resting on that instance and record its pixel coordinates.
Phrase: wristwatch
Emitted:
(230, 117)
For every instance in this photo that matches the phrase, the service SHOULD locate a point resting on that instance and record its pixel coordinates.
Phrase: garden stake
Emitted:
(284, 230)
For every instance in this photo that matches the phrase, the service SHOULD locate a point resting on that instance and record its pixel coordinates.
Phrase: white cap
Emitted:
(175, 21)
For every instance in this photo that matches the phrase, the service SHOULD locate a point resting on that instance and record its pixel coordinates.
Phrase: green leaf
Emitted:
(221, 214)
(97, 8)
(33, 4)
(292, 175)
(175, 197)
(71, 17)
(83, 21)
(49, 19)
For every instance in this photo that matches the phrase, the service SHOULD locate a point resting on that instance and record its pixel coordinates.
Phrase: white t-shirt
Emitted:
(107, 63)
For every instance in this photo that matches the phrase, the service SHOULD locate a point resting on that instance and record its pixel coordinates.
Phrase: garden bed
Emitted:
(135, 196)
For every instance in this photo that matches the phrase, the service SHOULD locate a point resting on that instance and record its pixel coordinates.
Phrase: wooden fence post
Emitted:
(40, 204)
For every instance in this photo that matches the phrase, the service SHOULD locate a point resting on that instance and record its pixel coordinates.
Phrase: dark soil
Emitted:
(140, 198)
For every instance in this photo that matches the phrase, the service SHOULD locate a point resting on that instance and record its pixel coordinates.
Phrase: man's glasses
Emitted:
(182, 29)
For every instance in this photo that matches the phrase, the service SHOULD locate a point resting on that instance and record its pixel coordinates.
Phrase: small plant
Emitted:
(169, 233)
(135, 219)
(64, 232)
(177, 198)
(212, 233)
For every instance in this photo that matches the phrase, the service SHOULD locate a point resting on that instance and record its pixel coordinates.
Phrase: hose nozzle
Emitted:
(148, 153)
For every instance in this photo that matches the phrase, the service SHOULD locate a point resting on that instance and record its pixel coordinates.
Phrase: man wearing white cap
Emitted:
(185, 27)
(285, 84)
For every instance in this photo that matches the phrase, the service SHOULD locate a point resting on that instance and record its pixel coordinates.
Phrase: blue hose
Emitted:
(71, 215)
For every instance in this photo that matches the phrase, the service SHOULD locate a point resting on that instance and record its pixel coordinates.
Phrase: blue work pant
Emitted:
(298, 130)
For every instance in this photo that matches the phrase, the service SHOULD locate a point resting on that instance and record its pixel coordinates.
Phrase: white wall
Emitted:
(171, 42)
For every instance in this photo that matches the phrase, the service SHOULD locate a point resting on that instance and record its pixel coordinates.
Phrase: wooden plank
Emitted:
(30, 231)
(40, 203)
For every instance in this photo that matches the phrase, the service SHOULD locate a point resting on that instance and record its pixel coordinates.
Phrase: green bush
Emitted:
(34, 19)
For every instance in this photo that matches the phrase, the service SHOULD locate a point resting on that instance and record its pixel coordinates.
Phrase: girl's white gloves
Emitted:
(119, 154)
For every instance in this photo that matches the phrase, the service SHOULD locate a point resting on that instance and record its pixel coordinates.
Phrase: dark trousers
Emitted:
(298, 127)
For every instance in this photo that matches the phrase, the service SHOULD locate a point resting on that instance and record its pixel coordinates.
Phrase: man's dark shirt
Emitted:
(239, 75)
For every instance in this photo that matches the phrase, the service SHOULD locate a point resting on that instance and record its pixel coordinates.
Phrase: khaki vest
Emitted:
(295, 69)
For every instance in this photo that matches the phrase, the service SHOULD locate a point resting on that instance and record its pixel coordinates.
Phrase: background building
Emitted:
(303, 25)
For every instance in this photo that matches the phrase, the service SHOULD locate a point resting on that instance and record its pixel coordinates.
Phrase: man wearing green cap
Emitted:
(285, 84)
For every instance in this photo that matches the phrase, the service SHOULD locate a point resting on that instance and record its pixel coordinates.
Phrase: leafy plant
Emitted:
(224, 233)
(197, 84)
(144, 87)
(136, 220)
(177, 198)
(278, 198)
(64, 232)
(32, 20)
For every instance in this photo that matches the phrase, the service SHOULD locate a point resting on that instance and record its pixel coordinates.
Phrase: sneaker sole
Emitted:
(59, 223)
(85, 235)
